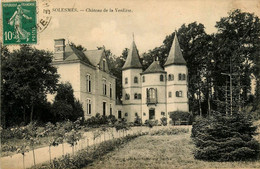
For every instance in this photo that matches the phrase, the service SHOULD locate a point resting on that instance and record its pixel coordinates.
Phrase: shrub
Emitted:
(151, 123)
(225, 138)
(164, 121)
(97, 120)
(170, 131)
(138, 121)
(180, 116)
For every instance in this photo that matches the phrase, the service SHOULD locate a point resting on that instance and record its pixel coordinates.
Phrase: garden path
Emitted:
(42, 154)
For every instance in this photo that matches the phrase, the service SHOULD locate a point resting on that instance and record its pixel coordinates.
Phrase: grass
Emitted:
(162, 151)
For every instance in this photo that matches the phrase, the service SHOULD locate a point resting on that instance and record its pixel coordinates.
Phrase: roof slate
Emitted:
(175, 55)
(133, 59)
(155, 67)
(94, 56)
(91, 57)
(71, 53)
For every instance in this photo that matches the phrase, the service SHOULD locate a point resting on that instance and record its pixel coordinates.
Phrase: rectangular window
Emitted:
(104, 87)
(139, 96)
(110, 92)
(104, 108)
(119, 114)
(110, 109)
(170, 94)
(126, 80)
(88, 106)
(88, 85)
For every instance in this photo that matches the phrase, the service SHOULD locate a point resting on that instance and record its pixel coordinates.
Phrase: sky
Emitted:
(150, 21)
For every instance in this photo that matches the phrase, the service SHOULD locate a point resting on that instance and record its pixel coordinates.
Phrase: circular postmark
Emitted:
(44, 15)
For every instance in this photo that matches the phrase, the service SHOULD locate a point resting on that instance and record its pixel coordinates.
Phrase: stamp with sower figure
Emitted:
(19, 22)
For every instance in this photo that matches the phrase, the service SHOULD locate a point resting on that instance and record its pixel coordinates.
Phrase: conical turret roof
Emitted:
(155, 67)
(132, 60)
(175, 56)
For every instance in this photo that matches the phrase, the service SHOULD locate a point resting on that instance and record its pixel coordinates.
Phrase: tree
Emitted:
(79, 47)
(196, 47)
(27, 76)
(225, 137)
(236, 51)
(65, 106)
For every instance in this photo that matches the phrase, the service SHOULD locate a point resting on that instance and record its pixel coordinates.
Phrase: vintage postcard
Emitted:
(130, 84)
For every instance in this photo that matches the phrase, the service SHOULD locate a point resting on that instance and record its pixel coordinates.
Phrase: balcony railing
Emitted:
(151, 101)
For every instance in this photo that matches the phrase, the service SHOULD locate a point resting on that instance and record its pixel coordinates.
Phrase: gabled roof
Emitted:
(132, 60)
(94, 56)
(155, 67)
(175, 56)
(71, 53)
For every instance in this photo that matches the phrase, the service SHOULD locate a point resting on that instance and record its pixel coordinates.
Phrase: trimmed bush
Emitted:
(170, 131)
(225, 138)
(181, 116)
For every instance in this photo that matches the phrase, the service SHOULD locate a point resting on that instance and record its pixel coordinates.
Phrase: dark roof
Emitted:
(175, 56)
(71, 53)
(91, 57)
(155, 67)
(132, 60)
(94, 56)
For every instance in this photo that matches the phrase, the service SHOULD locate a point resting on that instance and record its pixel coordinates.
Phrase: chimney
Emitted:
(59, 49)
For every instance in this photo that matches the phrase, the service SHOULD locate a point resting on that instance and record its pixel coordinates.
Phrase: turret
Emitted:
(132, 84)
(177, 86)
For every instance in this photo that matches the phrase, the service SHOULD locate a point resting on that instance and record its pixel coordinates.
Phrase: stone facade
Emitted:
(148, 94)
(89, 76)
(154, 92)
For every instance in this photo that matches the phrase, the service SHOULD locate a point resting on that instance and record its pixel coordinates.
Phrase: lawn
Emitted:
(174, 151)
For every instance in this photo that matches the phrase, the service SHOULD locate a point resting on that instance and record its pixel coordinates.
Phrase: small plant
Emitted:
(31, 135)
(138, 121)
(122, 126)
(164, 121)
(23, 149)
(151, 123)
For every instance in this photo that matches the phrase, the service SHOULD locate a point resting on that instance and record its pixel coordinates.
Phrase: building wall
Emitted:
(177, 103)
(72, 76)
(153, 81)
(132, 105)
(76, 74)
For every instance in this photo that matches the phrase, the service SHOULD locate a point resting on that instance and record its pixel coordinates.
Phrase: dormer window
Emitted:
(135, 79)
(161, 78)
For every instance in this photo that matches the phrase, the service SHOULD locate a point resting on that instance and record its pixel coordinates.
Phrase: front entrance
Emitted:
(151, 114)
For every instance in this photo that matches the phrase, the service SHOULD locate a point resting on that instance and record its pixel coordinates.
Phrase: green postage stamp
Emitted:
(19, 22)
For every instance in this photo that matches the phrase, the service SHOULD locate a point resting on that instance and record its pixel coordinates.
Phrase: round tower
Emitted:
(177, 86)
(131, 94)
(153, 91)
